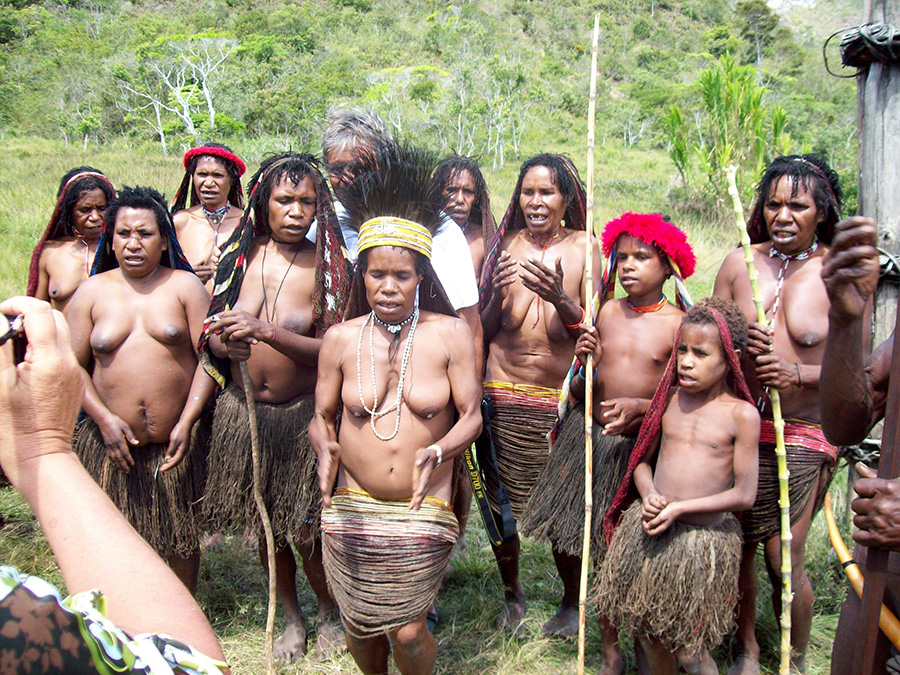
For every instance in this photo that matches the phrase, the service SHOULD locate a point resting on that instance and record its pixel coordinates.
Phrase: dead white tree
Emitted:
(204, 55)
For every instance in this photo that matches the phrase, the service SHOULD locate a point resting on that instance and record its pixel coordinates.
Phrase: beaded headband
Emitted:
(216, 152)
(391, 231)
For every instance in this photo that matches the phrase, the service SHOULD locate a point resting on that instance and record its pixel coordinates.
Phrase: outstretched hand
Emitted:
(40, 397)
(545, 282)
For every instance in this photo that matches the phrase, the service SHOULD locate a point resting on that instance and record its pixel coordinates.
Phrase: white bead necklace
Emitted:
(373, 415)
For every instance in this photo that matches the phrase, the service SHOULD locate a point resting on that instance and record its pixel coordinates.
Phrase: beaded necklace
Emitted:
(262, 274)
(543, 246)
(373, 414)
(655, 307)
(215, 218)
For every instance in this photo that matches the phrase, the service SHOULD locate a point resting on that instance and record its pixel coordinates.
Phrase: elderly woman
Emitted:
(401, 373)
(64, 256)
(135, 326)
(532, 299)
(797, 206)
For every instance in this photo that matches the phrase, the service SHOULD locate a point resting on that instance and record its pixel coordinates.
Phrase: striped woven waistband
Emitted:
(797, 432)
(527, 394)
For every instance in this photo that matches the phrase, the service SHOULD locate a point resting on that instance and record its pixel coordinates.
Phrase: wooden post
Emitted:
(878, 98)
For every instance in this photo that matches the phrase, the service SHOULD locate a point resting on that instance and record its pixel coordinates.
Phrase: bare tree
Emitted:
(204, 55)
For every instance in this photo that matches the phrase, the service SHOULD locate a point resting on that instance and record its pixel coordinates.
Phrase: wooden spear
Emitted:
(264, 516)
(877, 559)
(589, 370)
(784, 500)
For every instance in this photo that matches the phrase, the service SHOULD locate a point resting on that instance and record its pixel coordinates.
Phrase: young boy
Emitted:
(671, 571)
(631, 342)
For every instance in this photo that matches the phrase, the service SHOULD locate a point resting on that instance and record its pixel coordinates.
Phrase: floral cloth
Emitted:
(40, 632)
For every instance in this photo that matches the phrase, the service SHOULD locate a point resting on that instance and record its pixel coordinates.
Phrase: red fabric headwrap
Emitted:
(216, 152)
(652, 229)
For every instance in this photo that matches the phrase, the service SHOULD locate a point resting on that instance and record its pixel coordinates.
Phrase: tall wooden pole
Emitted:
(589, 371)
(878, 98)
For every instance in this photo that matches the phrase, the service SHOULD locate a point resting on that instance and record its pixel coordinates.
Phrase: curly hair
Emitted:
(812, 173)
(700, 315)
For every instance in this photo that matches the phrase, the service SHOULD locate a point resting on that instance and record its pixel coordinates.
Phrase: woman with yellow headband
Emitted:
(401, 373)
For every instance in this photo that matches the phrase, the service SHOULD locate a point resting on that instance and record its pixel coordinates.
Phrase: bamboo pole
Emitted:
(784, 500)
(589, 370)
(888, 623)
(263, 516)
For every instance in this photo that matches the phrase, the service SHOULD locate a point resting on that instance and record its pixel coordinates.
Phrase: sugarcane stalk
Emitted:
(589, 376)
(784, 500)
(263, 516)
(888, 623)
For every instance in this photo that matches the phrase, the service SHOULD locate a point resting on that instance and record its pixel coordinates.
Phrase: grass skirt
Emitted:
(524, 416)
(290, 484)
(164, 508)
(679, 586)
(556, 508)
(384, 563)
(811, 472)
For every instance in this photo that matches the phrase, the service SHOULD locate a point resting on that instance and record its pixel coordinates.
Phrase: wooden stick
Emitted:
(589, 376)
(784, 500)
(877, 559)
(888, 623)
(264, 516)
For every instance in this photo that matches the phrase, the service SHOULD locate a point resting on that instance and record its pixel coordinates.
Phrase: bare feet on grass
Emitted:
(291, 646)
(512, 618)
(612, 663)
(698, 663)
(331, 639)
(745, 664)
(564, 623)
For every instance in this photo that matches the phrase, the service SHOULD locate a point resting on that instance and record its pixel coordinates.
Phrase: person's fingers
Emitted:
(866, 488)
(40, 325)
(7, 358)
(865, 471)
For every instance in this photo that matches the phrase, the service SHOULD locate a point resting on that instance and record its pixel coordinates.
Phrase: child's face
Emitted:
(639, 267)
(701, 363)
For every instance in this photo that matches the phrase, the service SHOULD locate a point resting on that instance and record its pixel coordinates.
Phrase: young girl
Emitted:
(671, 572)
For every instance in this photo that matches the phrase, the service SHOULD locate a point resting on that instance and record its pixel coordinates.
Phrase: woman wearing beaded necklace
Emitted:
(401, 374)
(208, 205)
(532, 301)
(797, 206)
(64, 256)
(276, 294)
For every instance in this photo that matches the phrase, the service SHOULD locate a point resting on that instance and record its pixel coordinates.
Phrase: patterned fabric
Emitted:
(42, 632)
(797, 432)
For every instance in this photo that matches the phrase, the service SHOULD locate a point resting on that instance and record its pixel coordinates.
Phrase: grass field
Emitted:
(232, 587)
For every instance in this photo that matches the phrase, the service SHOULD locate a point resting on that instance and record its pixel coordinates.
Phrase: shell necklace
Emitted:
(373, 415)
(215, 218)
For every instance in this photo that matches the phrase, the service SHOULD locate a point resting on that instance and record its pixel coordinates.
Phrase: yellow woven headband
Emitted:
(391, 231)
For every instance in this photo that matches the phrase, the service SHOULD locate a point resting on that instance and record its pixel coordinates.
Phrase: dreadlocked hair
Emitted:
(702, 314)
(140, 198)
(447, 169)
(81, 186)
(812, 173)
(650, 427)
(394, 181)
(235, 194)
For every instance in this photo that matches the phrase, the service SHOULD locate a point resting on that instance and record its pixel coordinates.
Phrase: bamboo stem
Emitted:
(888, 623)
(589, 371)
(264, 517)
(784, 500)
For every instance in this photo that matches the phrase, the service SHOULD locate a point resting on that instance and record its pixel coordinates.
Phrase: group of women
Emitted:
(330, 346)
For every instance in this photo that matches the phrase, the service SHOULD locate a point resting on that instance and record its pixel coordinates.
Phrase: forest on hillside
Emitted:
(497, 79)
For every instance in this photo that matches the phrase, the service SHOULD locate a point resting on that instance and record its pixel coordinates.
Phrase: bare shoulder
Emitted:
(188, 281)
(449, 328)
(340, 333)
(745, 412)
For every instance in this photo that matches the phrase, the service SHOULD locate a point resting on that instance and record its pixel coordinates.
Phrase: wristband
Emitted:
(579, 322)
(438, 452)
(799, 381)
